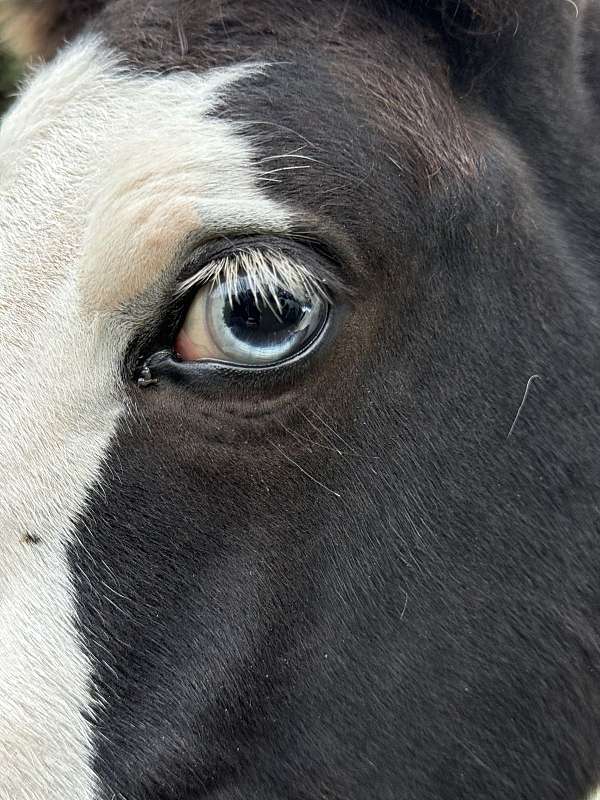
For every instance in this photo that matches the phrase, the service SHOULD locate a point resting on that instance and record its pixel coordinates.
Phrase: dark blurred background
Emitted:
(9, 73)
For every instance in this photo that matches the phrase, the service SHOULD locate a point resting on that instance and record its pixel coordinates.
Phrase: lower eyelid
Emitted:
(211, 377)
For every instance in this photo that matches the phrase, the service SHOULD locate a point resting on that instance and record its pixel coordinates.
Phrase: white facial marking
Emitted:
(102, 173)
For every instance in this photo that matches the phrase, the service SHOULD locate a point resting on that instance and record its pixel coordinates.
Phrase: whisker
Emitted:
(291, 155)
(310, 442)
(280, 127)
(285, 169)
(337, 435)
(304, 472)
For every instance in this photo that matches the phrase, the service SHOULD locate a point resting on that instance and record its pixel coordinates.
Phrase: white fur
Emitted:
(102, 174)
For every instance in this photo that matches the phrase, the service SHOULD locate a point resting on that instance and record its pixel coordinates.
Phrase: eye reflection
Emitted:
(239, 324)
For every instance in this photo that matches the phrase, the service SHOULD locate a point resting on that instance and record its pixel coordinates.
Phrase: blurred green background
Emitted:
(9, 73)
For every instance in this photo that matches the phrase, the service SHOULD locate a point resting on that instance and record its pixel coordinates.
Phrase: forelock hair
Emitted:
(477, 16)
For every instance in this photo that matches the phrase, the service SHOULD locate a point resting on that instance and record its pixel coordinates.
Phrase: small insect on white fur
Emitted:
(103, 175)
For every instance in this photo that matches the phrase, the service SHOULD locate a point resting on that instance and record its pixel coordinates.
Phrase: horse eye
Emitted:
(238, 324)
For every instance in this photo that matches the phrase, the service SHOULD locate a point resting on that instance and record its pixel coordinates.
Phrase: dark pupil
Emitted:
(253, 320)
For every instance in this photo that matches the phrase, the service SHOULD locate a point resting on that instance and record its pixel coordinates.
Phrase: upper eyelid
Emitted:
(266, 271)
(296, 265)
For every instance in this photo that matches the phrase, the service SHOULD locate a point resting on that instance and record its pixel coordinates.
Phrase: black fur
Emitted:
(378, 580)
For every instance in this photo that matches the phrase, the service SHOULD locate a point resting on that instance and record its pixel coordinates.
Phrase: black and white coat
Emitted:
(363, 564)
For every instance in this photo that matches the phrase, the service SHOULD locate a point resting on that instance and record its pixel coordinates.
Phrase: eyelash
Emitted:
(268, 271)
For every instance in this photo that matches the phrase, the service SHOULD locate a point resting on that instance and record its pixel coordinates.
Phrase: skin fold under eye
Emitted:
(252, 313)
